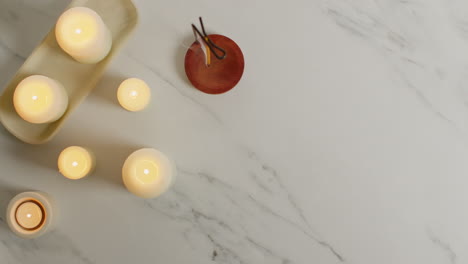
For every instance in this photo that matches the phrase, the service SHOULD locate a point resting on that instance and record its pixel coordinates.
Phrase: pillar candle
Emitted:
(148, 173)
(82, 34)
(76, 162)
(134, 94)
(39, 99)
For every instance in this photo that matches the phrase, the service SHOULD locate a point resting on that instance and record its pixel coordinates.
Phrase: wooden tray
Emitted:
(79, 80)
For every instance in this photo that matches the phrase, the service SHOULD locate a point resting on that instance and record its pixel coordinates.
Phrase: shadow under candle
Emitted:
(106, 89)
(7, 192)
(110, 158)
(8, 69)
(44, 156)
(110, 153)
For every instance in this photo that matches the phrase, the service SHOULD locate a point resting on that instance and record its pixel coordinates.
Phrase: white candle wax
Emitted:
(82, 34)
(76, 162)
(134, 94)
(148, 173)
(39, 99)
(30, 214)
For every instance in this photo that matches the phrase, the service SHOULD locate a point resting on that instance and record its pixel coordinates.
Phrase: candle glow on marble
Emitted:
(82, 34)
(39, 99)
(148, 173)
(76, 162)
(30, 214)
(134, 94)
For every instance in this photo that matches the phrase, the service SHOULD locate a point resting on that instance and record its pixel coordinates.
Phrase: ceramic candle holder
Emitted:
(78, 79)
(31, 214)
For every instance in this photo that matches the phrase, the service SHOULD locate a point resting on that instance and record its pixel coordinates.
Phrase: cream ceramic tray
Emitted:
(50, 60)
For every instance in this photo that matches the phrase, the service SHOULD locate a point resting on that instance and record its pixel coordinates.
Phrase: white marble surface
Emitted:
(345, 142)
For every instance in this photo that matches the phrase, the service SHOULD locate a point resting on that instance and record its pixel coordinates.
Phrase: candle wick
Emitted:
(74, 164)
(28, 215)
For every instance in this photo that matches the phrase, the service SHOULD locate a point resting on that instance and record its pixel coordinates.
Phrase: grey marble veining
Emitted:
(345, 141)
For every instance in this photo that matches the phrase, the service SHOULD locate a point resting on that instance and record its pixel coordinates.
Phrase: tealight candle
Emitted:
(148, 173)
(82, 34)
(39, 99)
(134, 94)
(30, 214)
(76, 162)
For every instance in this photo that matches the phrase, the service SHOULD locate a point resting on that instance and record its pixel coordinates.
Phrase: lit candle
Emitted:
(30, 214)
(76, 162)
(148, 173)
(82, 34)
(134, 94)
(39, 99)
